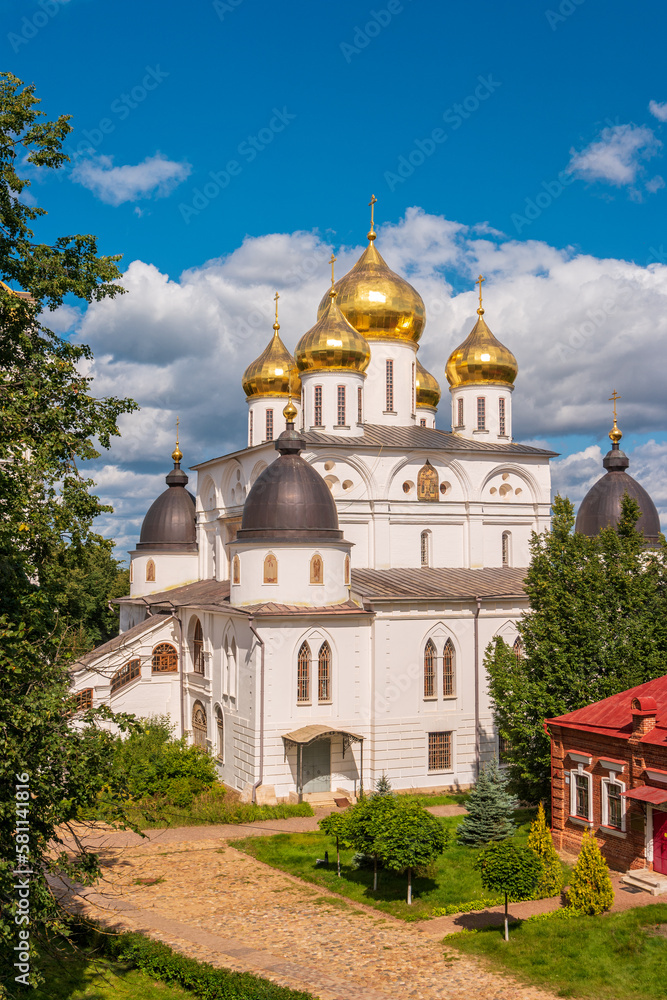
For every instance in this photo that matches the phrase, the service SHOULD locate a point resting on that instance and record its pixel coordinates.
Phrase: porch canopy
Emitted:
(303, 737)
(646, 793)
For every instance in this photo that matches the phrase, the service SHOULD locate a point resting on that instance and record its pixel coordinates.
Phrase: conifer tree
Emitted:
(490, 809)
(590, 888)
(539, 841)
(383, 785)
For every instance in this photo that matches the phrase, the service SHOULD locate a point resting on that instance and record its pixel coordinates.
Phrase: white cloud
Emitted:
(658, 110)
(617, 156)
(579, 326)
(655, 184)
(155, 177)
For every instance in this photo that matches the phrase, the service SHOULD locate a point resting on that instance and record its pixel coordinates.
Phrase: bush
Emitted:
(473, 904)
(157, 764)
(590, 889)
(539, 841)
(509, 869)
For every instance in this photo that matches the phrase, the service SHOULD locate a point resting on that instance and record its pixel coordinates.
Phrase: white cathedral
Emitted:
(318, 614)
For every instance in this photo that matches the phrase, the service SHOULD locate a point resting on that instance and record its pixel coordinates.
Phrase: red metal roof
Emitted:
(647, 793)
(613, 716)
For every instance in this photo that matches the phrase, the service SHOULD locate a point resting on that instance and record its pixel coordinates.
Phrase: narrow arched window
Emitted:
(199, 728)
(505, 547)
(131, 572)
(324, 673)
(303, 675)
(270, 569)
(347, 571)
(236, 569)
(448, 669)
(165, 659)
(429, 670)
(425, 547)
(220, 733)
(198, 648)
(127, 673)
(150, 571)
(316, 570)
(518, 648)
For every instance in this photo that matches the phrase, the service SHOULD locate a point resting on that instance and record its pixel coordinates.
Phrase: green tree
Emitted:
(366, 822)
(590, 890)
(490, 809)
(513, 870)
(409, 838)
(383, 785)
(335, 826)
(539, 841)
(597, 625)
(49, 421)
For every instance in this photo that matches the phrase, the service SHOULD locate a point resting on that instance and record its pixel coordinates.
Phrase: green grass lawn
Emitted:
(209, 808)
(452, 879)
(434, 799)
(619, 956)
(78, 975)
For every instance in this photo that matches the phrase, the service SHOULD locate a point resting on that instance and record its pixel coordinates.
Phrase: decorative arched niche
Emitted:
(270, 569)
(427, 483)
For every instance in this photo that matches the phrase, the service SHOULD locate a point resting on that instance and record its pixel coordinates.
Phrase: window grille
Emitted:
(614, 813)
(220, 727)
(459, 414)
(341, 406)
(422, 422)
(269, 425)
(424, 548)
(429, 670)
(318, 406)
(503, 748)
(501, 415)
(439, 751)
(481, 413)
(506, 548)
(448, 669)
(518, 648)
(303, 675)
(165, 659)
(582, 800)
(84, 699)
(324, 673)
(198, 648)
(412, 396)
(127, 673)
(251, 427)
(199, 727)
(360, 398)
(390, 386)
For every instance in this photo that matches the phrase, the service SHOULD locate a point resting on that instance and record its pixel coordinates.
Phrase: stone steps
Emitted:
(652, 882)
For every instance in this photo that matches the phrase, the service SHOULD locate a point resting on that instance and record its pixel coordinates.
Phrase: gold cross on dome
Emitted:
(615, 397)
(371, 205)
(178, 420)
(332, 262)
(479, 282)
(275, 299)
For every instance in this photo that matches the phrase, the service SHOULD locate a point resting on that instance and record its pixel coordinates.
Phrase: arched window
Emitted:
(429, 670)
(316, 570)
(324, 673)
(84, 699)
(165, 659)
(270, 569)
(505, 547)
(425, 548)
(198, 648)
(220, 733)
(347, 571)
(236, 569)
(150, 571)
(518, 648)
(448, 669)
(128, 672)
(427, 482)
(199, 729)
(303, 675)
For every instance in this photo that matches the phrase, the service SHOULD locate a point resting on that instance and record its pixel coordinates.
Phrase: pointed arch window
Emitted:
(270, 569)
(220, 734)
(448, 665)
(303, 675)
(429, 670)
(150, 571)
(165, 659)
(236, 569)
(198, 648)
(199, 727)
(422, 422)
(426, 548)
(427, 482)
(316, 570)
(324, 673)
(518, 648)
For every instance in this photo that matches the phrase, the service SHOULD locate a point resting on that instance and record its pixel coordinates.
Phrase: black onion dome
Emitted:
(169, 525)
(601, 507)
(289, 501)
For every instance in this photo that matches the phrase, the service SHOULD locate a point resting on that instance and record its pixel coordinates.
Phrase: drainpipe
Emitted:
(476, 631)
(260, 780)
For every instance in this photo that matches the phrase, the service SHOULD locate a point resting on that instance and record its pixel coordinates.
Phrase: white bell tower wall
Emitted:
(265, 416)
(391, 386)
(330, 397)
(482, 412)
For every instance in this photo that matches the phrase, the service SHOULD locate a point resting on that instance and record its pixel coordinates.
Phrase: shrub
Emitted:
(156, 763)
(490, 809)
(473, 904)
(410, 838)
(509, 869)
(590, 888)
(539, 841)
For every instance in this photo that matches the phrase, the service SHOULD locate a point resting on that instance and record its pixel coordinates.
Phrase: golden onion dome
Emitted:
(481, 357)
(377, 302)
(270, 374)
(332, 344)
(427, 388)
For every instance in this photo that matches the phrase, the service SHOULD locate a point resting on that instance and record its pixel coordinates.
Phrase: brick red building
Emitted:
(609, 775)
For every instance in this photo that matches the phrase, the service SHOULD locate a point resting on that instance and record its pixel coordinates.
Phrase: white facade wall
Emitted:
(492, 395)
(402, 410)
(328, 414)
(257, 421)
(171, 569)
(293, 578)
(426, 416)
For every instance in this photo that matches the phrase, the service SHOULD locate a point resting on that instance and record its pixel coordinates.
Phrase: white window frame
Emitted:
(575, 773)
(606, 782)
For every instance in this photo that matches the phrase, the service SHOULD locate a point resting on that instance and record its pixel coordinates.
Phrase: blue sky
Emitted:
(214, 144)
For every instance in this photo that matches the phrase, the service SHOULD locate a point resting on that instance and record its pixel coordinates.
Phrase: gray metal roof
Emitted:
(120, 640)
(419, 584)
(212, 592)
